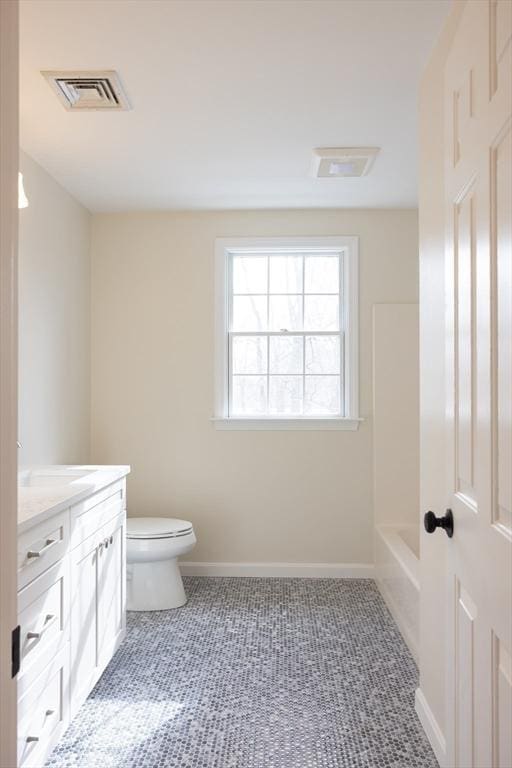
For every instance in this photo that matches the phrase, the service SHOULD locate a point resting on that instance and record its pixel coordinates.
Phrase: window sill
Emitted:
(304, 425)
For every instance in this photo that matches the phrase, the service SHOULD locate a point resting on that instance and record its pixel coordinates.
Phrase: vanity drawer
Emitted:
(43, 713)
(42, 546)
(43, 616)
(92, 513)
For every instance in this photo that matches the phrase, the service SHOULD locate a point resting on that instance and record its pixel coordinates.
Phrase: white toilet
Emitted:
(152, 549)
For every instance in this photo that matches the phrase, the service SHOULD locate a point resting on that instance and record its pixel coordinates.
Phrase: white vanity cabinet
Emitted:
(71, 611)
(98, 594)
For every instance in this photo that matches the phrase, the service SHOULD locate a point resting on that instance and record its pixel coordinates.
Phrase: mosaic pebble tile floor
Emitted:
(256, 673)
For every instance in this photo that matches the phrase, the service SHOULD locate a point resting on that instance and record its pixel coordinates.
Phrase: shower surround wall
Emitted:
(396, 463)
(254, 497)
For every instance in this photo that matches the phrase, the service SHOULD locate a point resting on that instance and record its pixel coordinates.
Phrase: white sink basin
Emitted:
(42, 479)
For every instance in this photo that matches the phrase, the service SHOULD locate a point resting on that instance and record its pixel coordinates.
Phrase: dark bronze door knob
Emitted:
(432, 522)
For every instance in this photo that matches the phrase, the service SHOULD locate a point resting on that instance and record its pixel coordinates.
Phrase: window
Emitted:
(286, 333)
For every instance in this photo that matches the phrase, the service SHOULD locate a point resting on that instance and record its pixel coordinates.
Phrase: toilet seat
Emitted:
(157, 528)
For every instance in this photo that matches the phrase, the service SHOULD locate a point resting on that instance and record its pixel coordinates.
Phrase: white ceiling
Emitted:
(229, 99)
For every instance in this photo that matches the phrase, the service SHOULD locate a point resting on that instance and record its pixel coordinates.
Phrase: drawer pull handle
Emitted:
(49, 620)
(37, 738)
(38, 552)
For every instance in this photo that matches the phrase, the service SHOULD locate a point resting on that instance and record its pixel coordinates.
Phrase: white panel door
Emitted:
(478, 97)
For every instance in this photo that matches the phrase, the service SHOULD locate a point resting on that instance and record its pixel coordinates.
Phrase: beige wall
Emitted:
(432, 378)
(253, 496)
(54, 323)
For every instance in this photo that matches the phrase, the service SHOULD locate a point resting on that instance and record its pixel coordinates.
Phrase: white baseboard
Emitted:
(431, 727)
(284, 570)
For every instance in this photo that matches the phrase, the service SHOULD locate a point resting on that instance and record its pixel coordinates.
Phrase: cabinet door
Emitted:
(111, 591)
(84, 621)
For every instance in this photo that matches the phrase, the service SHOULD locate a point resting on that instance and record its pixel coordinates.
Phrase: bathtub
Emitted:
(397, 576)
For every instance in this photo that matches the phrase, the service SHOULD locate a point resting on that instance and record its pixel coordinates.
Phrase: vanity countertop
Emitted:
(44, 491)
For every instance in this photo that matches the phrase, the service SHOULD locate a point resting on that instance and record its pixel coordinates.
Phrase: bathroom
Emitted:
(223, 459)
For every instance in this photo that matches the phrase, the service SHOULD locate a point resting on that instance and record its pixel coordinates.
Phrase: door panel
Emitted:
(465, 384)
(84, 626)
(501, 188)
(502, 705)
(465, 614)
(500, 24)
(111, 588)
(478, 168)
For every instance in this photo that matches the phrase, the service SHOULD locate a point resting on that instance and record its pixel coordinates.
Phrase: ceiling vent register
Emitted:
(339, 162)
(91, 91)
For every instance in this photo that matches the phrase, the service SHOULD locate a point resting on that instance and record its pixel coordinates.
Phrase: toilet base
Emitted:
(154, 586)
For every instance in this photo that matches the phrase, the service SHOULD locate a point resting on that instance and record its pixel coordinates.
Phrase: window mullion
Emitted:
(230, 340)
(343, 399)
(304, 337)
(342, 326)
(303, 372)
(230, 371)
(268, 337)
(285, 333)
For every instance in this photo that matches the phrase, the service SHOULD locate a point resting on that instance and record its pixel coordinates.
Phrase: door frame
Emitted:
(9, 153)
(431, 694)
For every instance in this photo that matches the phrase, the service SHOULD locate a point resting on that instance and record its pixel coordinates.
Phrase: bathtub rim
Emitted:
(409, 563)
(407, 558)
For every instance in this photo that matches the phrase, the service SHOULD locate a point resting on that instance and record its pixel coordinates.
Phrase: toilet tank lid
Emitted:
(156, 527)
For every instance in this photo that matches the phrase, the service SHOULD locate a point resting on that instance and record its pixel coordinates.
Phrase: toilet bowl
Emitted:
(153, 578)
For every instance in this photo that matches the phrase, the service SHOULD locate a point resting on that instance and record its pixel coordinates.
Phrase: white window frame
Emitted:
(348, 246)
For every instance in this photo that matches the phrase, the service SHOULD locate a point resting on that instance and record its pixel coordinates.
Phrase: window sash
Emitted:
(337, 253)
(303, 375)
(340, 333)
